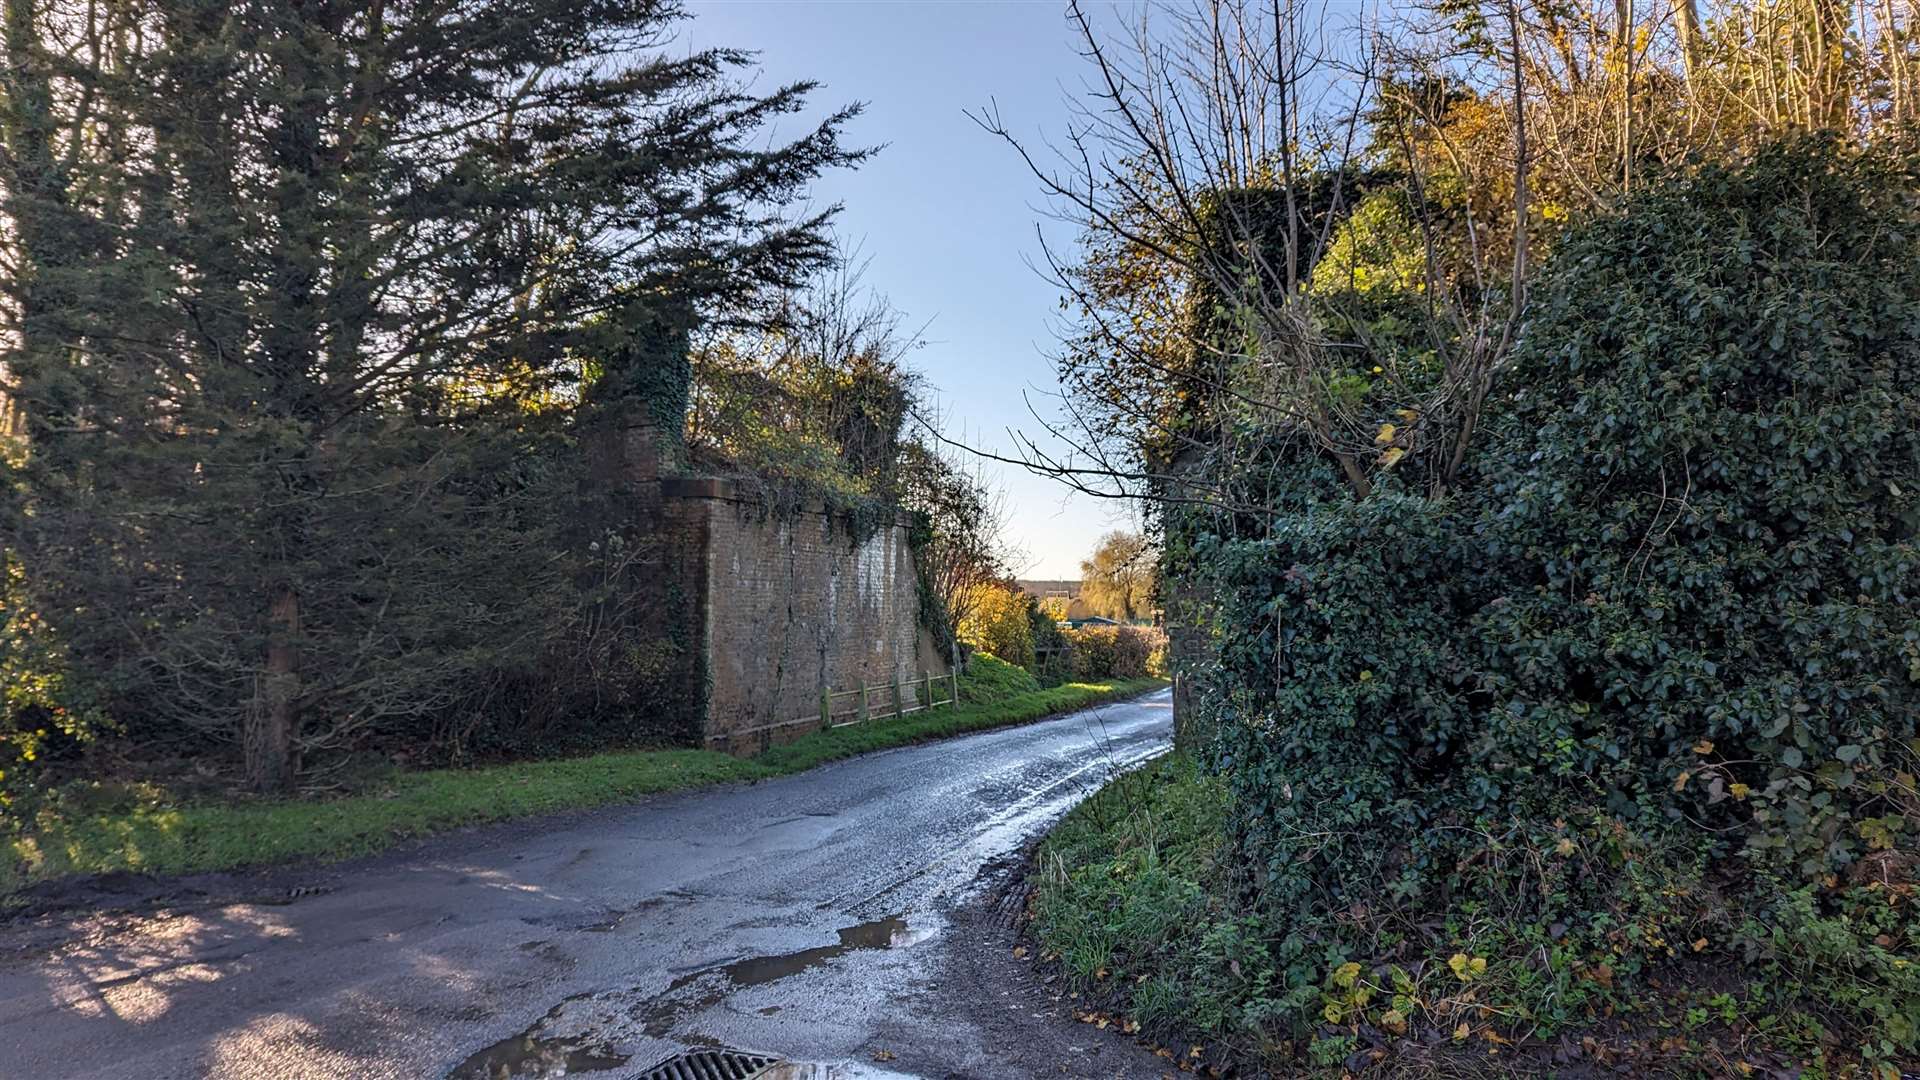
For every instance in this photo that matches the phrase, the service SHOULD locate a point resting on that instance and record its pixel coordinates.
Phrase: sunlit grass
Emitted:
(162, 839)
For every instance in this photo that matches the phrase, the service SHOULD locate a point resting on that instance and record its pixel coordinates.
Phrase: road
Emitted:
(815, 916)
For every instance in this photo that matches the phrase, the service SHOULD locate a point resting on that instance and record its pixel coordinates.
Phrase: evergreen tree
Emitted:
(306, 294)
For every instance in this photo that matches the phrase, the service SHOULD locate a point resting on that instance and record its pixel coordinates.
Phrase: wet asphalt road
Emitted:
(805, 916)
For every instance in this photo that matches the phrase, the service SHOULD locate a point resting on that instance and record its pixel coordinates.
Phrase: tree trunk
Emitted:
(274, 723)
(1686, 15)
(1519, 161)
(1828, 100)
(36, 191)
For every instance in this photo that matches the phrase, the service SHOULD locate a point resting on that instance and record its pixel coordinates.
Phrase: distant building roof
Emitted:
(1042, 589)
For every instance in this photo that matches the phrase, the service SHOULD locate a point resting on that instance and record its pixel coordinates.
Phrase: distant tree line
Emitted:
(1007, 621)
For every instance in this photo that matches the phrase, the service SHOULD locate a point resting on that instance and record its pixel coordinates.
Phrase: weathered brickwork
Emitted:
(789, 605)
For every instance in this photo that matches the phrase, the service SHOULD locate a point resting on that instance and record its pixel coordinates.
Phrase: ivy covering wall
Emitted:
(1645, 684)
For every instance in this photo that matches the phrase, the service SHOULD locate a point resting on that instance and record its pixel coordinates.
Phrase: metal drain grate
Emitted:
(711, 1065)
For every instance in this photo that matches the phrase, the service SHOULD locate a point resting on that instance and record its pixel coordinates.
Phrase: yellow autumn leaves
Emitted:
(1466, 968)
(1352, 997)
(1734, 788)
(1394, 439)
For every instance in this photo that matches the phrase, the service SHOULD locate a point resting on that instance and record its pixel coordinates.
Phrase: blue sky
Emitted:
(947, 212)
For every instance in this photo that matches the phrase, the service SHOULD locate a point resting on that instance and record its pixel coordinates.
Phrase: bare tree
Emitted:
(819, 385)
(1220, 148)
(965, 516)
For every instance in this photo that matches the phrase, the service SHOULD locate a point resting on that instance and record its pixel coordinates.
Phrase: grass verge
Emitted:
(1121, 896)
(166, 839)
(1138, 899)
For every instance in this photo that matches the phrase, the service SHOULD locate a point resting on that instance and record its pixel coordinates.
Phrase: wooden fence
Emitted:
(882, 700)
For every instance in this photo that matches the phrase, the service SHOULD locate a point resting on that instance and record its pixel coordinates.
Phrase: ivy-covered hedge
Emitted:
(1346, 664)
(1644, 689)
(1705, 509)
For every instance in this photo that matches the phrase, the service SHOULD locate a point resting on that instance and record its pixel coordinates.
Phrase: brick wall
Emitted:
(792, 604)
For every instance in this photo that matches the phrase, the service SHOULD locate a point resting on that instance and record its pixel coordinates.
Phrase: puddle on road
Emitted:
(524, 1056)
(852, 1070)
(527, 1057)
(888, 933)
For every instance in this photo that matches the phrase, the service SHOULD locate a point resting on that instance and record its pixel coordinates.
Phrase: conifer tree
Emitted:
(302, 296)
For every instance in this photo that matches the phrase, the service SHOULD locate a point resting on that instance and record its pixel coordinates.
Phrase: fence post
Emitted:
(953, 685)
(896, 693)
(926, 689)
(826, 708)
(863, 699)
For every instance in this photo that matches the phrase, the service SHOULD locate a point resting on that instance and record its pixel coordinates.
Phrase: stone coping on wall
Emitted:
(726, 489)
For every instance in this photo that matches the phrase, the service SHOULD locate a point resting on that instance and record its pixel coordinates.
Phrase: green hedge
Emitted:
(1704, 509)
(1123, 652)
